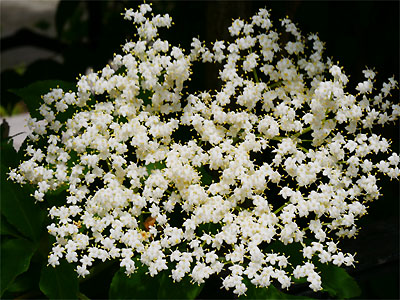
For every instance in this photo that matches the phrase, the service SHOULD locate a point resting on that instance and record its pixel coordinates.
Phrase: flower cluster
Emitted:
(207, 183)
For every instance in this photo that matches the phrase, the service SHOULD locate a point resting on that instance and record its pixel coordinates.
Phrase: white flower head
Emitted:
(281, 155)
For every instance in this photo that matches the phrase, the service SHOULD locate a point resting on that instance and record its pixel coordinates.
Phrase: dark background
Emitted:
(357, 34)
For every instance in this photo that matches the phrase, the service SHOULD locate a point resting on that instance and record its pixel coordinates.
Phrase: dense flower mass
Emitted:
(206, 183)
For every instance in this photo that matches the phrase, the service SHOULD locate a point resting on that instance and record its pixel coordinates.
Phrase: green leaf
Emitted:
(20, 210)
(183, 289)
(146, 96)
(7, 229)
(210, 228)
(158, 165)
(206, 178)
(60, 282)
(16, 255)
(28, 280)
(138, 286)
(270, 292)
(17, 205)
(31, 94)
(8, 151)
(337, 282)
(293, 250)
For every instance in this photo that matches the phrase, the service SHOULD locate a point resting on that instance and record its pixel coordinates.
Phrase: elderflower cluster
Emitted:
(207, 183)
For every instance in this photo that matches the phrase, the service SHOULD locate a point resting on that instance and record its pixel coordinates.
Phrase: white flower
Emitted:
(338, 259)
(335, 71)
(236, 27)
(364, 87)
(82, 271)
(369, 74)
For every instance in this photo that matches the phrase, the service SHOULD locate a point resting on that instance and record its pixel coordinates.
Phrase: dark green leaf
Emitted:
(293, 250)
(121, 71)
(158, 165)
(210, 228)
(206, 178)
(9, 157)
(26, 281)
(20, 210)
(7, 229)
(178, 290)
(15, 258)
(267, 293)
(138, 286)
(337, 282)
(17, 205)
(146, 96)
(60, 282)
(299, 280)
(31, 94)
(57, 192)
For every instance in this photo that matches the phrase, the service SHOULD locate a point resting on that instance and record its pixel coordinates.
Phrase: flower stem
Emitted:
(303, 132)
(280, 208)
(255, 75)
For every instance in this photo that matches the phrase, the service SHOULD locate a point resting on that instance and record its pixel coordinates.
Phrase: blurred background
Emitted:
(58, 40)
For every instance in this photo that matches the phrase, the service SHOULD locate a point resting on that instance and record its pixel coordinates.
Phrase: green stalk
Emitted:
(255, 75)
(276, 84)
(302, 148)
(303, 132)
(280, 208)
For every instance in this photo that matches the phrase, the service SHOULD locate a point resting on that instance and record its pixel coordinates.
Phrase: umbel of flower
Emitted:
(282, 153)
